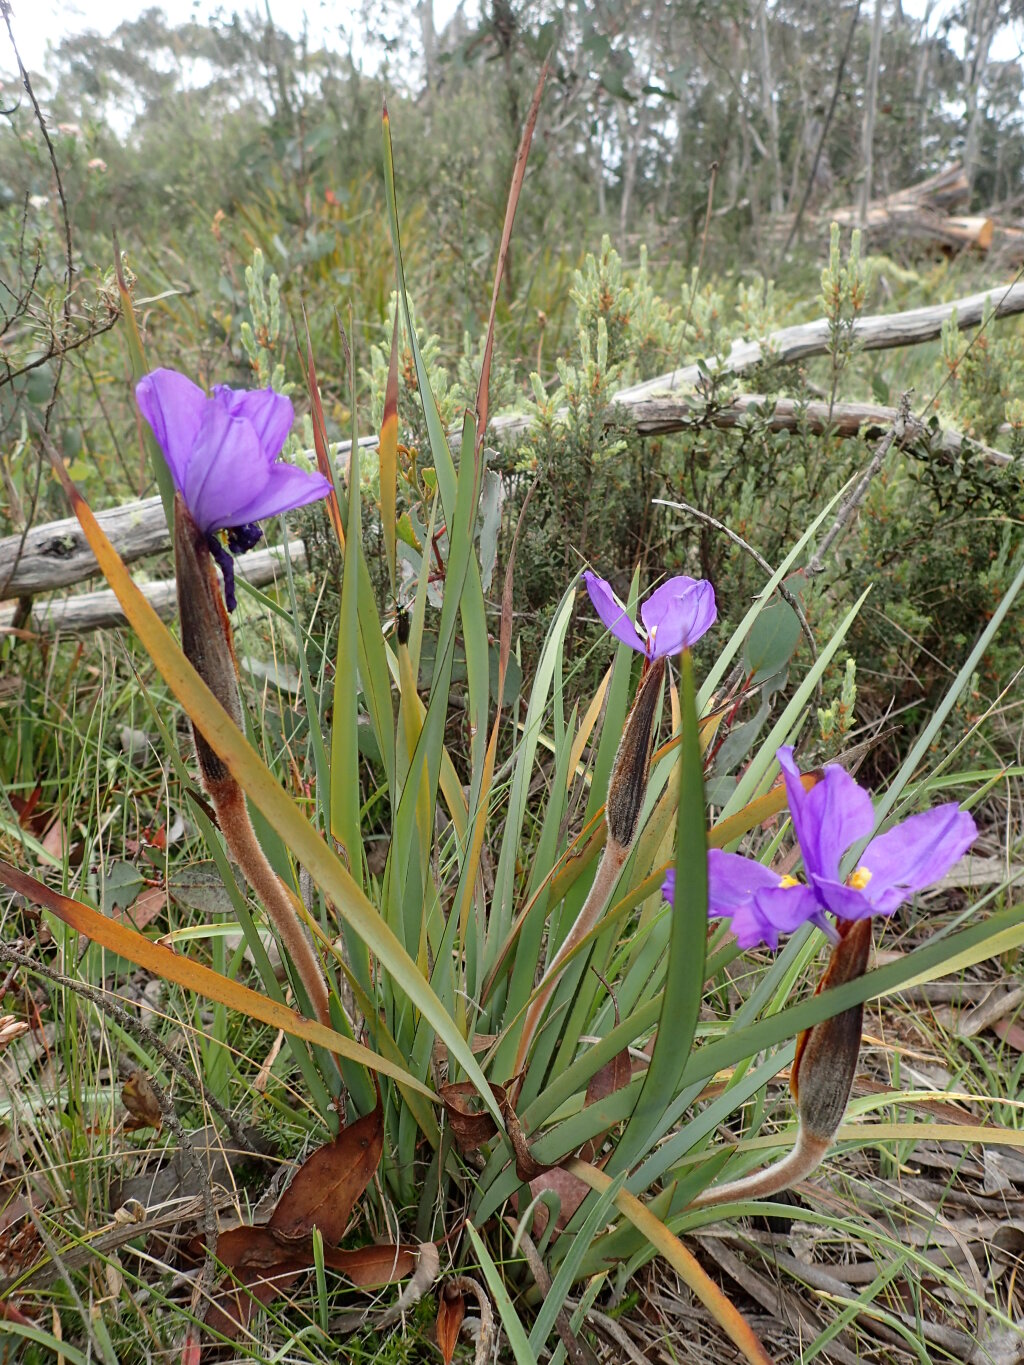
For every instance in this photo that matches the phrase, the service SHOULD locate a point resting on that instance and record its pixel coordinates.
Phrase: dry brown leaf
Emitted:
(470, 1123)
(1010, 1032)
(450, 1311)
(139, 1098)
(266, 1260)
(147, 905)
(54, 841)
(327, 1185)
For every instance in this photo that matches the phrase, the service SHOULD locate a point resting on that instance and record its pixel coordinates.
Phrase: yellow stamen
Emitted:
(859, 879)
(789, 881)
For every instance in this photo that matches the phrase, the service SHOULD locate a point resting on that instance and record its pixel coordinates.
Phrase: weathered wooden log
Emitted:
(888, 221)
(85, 611)
(654, 416)
(876, 332)
(56, 555)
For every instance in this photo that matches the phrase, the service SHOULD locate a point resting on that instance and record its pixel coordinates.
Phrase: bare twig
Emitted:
(140, 1031)
(849, 507)
(203, 1286)
(758, 559)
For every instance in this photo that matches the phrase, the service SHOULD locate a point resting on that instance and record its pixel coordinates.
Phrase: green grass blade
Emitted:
(684, 974)
(514, 1329)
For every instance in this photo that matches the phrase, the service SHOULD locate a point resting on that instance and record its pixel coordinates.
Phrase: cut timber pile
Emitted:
(926, 212)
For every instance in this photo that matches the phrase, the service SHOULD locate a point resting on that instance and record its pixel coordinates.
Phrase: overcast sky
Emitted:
(39, 22)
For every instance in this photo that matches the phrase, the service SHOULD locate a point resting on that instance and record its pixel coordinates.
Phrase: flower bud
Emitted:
(205, 630)
(632, 766)
(826, 1055)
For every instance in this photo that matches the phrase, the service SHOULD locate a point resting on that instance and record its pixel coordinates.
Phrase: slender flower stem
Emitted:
(805, 1158)
(626, 790)
(229, 803)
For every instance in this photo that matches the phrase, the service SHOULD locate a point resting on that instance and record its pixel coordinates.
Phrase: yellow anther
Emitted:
(859, 879)
(789, 881)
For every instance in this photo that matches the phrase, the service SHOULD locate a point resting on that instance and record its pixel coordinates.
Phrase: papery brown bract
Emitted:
(631, 769)
(206, 634)
(826, 1054)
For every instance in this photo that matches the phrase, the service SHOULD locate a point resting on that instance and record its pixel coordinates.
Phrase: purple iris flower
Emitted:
(222, 452)
(676, 614)
(828, 819)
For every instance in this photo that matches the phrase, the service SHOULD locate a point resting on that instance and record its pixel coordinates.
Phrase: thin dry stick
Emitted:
(140, 1031)
(205, 1280)
(576, 1351)
(758, 559)
(849, 507)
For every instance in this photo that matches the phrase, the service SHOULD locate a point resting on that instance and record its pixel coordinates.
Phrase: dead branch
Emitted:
(94, 610)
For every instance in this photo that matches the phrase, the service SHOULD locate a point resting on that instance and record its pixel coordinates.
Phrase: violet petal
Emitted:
(174, 408)
(827, 819)
(270, 413)
(678, 613)
(847, 902)
(733, 880)
(786, 908)
(612, 612)
(919, 851)
(227, 470)
(285, 489)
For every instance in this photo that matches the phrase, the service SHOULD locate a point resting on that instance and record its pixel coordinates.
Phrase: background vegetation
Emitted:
(677, 198)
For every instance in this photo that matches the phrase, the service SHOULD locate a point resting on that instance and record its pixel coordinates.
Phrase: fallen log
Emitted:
(57, 554)
(903, 220)
(656, 416)
(876, 332)
(652, 416)
(85, 611)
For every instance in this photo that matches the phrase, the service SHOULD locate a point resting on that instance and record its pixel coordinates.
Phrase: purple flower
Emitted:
(828, 819)
(223, 456)
(676, 614)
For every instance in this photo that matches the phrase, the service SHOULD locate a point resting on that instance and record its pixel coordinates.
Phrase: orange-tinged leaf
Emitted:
(260, 785)
(755, 813)
(323, 454)
(388, 449)
(450, 1311)
(685, 1264)
(172, 966)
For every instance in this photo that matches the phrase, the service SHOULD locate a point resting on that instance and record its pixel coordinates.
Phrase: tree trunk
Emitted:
(982, 19)
(428, 37)
(771, 111)
(867, 136)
